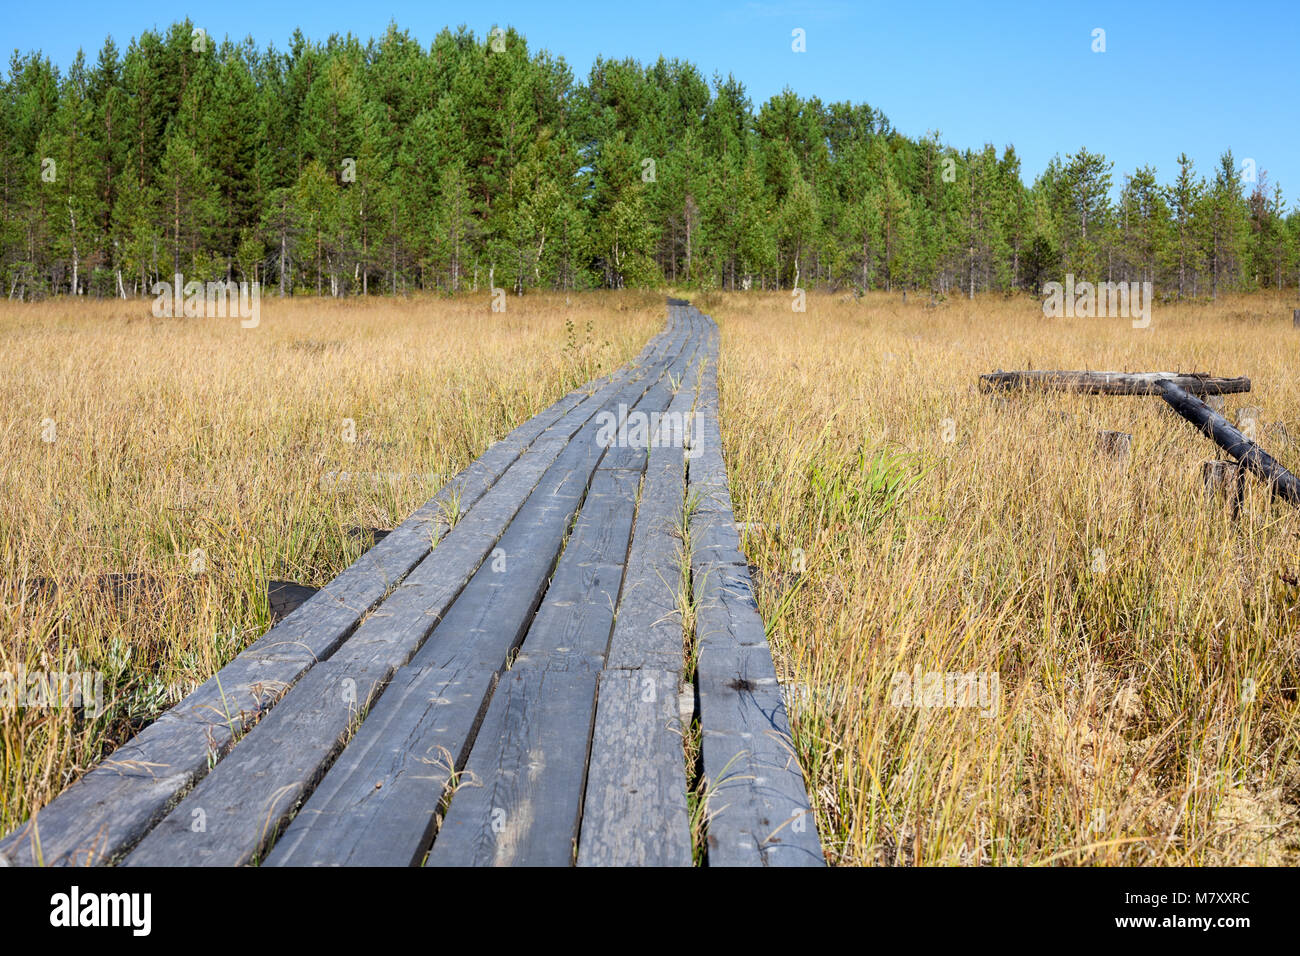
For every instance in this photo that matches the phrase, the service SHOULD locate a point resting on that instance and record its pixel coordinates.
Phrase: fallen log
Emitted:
(1259, 462)
(1112, 383)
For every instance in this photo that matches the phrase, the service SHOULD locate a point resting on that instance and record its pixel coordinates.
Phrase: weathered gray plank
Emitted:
(758, 812)
(634, 812)
(648, 630)
(235, 811)
(376, 805)
(519, 801)
(757, 807)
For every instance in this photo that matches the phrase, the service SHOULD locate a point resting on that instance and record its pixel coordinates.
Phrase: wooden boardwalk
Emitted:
(516, 688)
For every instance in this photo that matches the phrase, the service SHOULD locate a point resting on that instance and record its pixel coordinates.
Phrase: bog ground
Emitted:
(902, 524)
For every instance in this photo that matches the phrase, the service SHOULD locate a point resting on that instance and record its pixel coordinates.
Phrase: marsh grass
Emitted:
(1144, 642)
(184, 444)
(898, 520)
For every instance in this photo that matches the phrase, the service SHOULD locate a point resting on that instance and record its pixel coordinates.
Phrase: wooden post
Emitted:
(1248, 421)
(1295, 318)
(1215, 402)
(1115, 444)
(1280, 481)
(1226, 478)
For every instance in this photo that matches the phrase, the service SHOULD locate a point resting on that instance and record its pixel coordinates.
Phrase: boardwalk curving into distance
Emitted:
(522, 685)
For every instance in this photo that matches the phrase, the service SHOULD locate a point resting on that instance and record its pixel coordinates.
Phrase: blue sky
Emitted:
(1193, 76)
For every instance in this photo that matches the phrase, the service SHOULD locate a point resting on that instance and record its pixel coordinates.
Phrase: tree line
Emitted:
(348, 168)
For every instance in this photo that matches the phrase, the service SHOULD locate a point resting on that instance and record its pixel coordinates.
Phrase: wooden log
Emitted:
(1112, 383)
(1261, 464)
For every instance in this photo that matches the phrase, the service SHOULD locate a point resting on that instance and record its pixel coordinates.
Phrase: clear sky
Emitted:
(1188, 76)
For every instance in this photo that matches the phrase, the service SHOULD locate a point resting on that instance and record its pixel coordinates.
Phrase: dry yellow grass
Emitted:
(172, 440)
(1143, 643)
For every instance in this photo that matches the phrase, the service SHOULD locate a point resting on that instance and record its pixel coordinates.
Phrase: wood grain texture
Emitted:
(1218, 429)
(237, 809)
(757, 808)
(1113, 383)
(648, 628)
(634, 813)
(376, 805)
(520, 799)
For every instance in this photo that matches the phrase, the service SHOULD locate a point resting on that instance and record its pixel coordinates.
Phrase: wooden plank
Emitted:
(634, 811)
(577, 612)
(519, 801)
(757, 808)
(758, 811)
(1260, 463)
(635, 808)
(1113, 383)
(376, 805)
(648, 629)
(238, 808)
